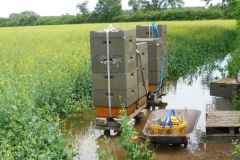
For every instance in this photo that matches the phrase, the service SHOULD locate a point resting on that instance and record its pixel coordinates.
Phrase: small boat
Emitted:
(192, 117)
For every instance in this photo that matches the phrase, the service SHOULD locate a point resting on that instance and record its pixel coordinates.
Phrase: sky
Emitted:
(60, 7)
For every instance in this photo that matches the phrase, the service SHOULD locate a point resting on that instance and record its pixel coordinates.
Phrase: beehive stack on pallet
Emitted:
(156, 38)
(122, 71)
(223, 89)
(222, 121)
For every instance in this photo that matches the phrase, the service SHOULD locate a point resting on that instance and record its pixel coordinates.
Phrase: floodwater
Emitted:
(194, 94)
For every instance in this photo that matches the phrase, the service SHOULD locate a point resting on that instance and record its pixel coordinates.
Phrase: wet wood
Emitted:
(226, 80)
(137, 111)
(218, 120)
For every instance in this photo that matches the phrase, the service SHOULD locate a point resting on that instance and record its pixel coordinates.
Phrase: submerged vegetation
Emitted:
(46, 73)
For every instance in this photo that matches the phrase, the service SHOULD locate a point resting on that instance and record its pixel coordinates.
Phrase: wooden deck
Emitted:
(223, 123)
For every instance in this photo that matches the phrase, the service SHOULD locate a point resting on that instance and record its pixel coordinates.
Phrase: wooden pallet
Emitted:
(113, 123)
(103, 111)
(223, 123)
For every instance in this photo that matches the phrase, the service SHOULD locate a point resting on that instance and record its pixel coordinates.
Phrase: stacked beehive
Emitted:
(224, 89)
(156, 38)
(120, 55)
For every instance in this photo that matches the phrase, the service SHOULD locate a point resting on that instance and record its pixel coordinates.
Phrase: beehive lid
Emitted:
(113, 33)
(225, 80)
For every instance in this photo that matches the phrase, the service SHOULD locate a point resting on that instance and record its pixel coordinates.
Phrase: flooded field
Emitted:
(194, 94)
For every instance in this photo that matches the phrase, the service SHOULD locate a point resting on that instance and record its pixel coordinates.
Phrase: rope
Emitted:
(143, 79)
(109, 29)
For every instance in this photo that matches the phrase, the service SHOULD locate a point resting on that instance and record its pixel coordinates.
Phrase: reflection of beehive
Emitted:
(123, 69)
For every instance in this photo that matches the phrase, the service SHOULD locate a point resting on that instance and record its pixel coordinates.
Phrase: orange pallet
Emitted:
(103, 111)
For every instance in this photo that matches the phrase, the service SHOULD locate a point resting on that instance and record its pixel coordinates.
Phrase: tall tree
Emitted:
(135, 4)
(83, 9)
(235, 6)
(175, 3)
(208, 2)
(28, 18)
(14, 15)
(156, 5)
(107, 9)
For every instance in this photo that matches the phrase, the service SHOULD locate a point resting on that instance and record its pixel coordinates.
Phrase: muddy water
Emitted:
(194, 94)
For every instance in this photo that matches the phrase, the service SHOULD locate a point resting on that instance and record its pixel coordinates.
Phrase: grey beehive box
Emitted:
(155, 50)
(165, 50)
(141, 88)
(118, 64)
(142, 31)
(155, 63)
(129, 96)
(121, 42)
(144, 70)
(142, 48)
(224, 87)
(117, 80)
(154, 76)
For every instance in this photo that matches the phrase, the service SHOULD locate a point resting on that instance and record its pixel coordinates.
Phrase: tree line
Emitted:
(111, 11)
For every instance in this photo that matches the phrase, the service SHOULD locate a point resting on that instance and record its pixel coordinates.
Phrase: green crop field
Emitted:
(46, 72)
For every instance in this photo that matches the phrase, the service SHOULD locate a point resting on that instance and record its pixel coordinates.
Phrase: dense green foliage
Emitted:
(193, 47)
(99, 16)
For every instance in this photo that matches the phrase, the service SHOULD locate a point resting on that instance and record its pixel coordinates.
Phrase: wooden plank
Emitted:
(137, 111)
(103, 111)
(222, 125)
(223, 118)
(226, 117)
(224, 113)
(141, 101)
(223, 121)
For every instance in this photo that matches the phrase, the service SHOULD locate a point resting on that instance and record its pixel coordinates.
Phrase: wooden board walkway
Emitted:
(223, 123)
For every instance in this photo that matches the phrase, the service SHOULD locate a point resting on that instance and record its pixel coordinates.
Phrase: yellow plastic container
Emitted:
(176, 129)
